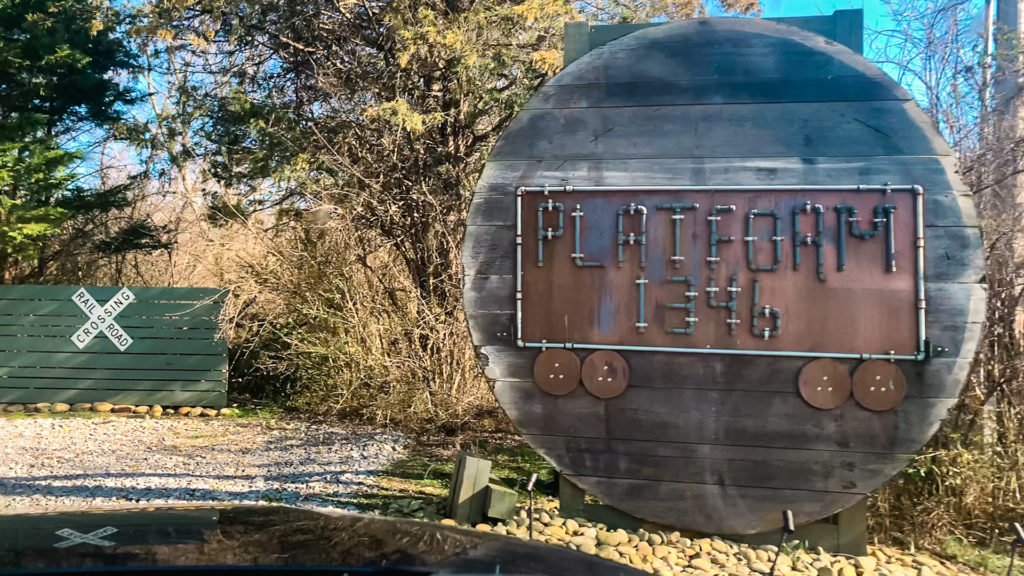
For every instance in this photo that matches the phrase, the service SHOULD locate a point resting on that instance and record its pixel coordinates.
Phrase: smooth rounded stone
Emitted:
(571, 525)
(196, 412)
(544, 517)
(867, 563)
(722, 559)
(762, 555)
(625, 549)
(661, 551)
(768, 548)
(42, 407)
(170, 412)
(677, 538)
(227, 412)
(60, 407)
(827, 570)
(103, 407)
(587, 548)
(720, 547)
(655, 539)
(760, 567)
(691, 551)
(641, 533)
(925, 571)
(184, 410)
(122, 409)
(449, 522)
(608, 539)
(157, 411)
(483, 527)
(511, 524)
(556, 521)
(499, 529)
(590, 532)
(555, 531)
(703, 564)
(141, 410)
(632, 539)
(208, 413)
(581, 540)
(643, 548)
(14, 408)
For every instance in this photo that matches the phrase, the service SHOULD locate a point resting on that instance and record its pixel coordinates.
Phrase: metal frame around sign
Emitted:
(920, 303)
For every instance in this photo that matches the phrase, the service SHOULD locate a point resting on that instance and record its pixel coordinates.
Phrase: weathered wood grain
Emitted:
(874, 128)
(138, 397)
(726, 417)
(829, 471)
(731, 509)
(713, 91)
(721, 443)
(113, 360)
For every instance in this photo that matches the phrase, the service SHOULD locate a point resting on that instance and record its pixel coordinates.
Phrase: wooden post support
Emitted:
(467, 499)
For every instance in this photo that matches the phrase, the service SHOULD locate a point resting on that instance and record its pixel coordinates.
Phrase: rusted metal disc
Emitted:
(557, 371)
(605, 374)
(879, 385)
(824, 383)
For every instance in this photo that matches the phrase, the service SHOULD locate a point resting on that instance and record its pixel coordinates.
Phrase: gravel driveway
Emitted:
(73, 462)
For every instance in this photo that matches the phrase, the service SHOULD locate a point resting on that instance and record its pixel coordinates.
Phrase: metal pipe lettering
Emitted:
(690, 306)
(809, 239)
(751, 241)
(544, 234)
(633, 238)
(577, 255)
(715, 238)
(733, 289)
(677, 221)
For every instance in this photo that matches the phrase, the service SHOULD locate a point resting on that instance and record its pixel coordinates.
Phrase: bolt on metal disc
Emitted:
(556, 371)
(605, 374)
(824, 383)
(879, 385)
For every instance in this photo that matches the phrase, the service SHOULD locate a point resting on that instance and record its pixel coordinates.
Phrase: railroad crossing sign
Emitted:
(74, 537)
(101, 319)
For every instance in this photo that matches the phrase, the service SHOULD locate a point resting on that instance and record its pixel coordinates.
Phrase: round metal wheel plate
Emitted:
(824, 383)
(605, 374)
(557, 371)
(879, 385)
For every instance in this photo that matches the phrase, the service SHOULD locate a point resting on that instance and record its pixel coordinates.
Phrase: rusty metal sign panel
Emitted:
(828, 272)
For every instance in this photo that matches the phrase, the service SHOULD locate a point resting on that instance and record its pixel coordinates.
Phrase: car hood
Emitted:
(271, 536)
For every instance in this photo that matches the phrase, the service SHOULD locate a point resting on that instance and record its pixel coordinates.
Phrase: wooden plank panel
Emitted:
(206, 334)
(935, 378)
(731, 509)
(933, 173)
(103, 384)
(954, 254)
(482, 243)
(126, 322)
(690, 53)
(713, 464)
(104, 293)
(754, 130)
(111, 374)
(147, 398)
(102, 344)
(153, 310)
(737, 418)
(114, 360)
(665, 92)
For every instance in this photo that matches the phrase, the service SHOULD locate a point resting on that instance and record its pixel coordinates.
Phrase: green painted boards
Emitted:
(109, 344)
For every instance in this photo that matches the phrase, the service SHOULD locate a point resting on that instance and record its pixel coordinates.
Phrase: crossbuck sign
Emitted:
(101, 319)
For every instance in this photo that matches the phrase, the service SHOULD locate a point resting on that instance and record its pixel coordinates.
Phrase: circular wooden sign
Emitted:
(879, 385)
(824, 383)
(557, 371)
(721, 441)
(605, 374)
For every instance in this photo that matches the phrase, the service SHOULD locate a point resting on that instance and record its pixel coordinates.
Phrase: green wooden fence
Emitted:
(108, 344)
